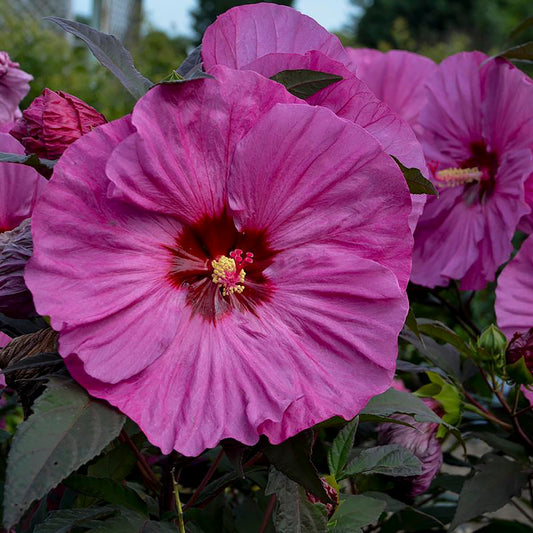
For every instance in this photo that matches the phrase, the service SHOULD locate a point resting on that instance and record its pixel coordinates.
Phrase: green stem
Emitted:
(181, 523)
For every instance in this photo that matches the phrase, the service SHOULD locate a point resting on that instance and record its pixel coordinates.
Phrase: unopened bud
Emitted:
(492, 342)
(53, 121)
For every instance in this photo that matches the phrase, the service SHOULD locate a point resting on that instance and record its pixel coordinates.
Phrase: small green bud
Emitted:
(492, 343)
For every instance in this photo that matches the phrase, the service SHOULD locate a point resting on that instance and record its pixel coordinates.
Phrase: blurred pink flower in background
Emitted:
(397, 78)
(53, 121)
(477, 131)
(225, 263)
(14, 86)
(269, 38)
(514, 293)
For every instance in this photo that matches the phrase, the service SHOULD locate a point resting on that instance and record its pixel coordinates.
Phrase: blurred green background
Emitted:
(435, 28)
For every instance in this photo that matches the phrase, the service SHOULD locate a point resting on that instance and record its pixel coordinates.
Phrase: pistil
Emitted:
(453, 177)
(228, 272)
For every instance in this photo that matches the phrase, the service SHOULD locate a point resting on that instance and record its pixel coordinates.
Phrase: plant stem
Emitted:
(480, 410)
(516, 424)
(204, 481)
(142, 465)
(519, 508)
(181, 523)
(268, 513)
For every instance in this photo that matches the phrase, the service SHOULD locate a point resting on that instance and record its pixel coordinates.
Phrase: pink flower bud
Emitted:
(53, 121)
(422, 442)
(14, 87)
(331, 492)
(521, 345)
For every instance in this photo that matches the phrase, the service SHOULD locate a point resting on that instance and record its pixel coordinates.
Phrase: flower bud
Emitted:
(331, 492)
(521, 345)
(421, 441)
(16, 248)
(14, 86)
(53, 121)
(492, 341)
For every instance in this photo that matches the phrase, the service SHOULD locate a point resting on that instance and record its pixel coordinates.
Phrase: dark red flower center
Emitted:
(220, 267)
(477, 174)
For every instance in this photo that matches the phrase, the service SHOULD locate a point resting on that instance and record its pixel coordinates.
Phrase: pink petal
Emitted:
(353, 100)
(397, 78)
(240, 377)
(334, 336)
(151, 169)
(501, 215)
(452, 118)
(507, 109)
(20, 186)
(14, 86)
(469, 243)
(446, 239)
(99, 266)
(291, 188)
(247, 32)
(514, 294)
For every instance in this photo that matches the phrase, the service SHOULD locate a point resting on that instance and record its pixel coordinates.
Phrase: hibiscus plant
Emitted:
(291, 292)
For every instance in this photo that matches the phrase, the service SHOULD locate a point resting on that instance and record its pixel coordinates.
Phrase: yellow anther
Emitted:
(452, 177)
(227, 275)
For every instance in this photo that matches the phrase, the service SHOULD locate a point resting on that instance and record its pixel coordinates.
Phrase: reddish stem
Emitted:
(142, 465)
(268, 513)
(207, 477)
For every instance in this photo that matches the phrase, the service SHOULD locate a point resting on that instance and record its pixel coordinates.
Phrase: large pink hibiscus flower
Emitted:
(397, 78)
(269, 38)
(222, 265)
(514, 294)
(477, 131)
(14, 86)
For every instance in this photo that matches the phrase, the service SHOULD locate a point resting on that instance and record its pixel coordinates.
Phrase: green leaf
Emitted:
(42, 166)
(505, 526)
(293, 458)
(304, 83)
(440, 331)
(130, 521)
(522, 52)
(65, 520)
(491, 487)
(390, 459)
(518, 372)
(394, 401)
(443, 356)
(446, 394)
(376, 419)
(411, 323)
(110, 53)
(294, 512)
(415, 181)
(108, 490)
(396, 506)
(115, 464)
(524, 25)
(67, 429)
(341, 446)
(503, 444)
(355, 512)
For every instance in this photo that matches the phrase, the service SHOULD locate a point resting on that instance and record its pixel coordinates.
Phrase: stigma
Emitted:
(453, 177)
(228, 272)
